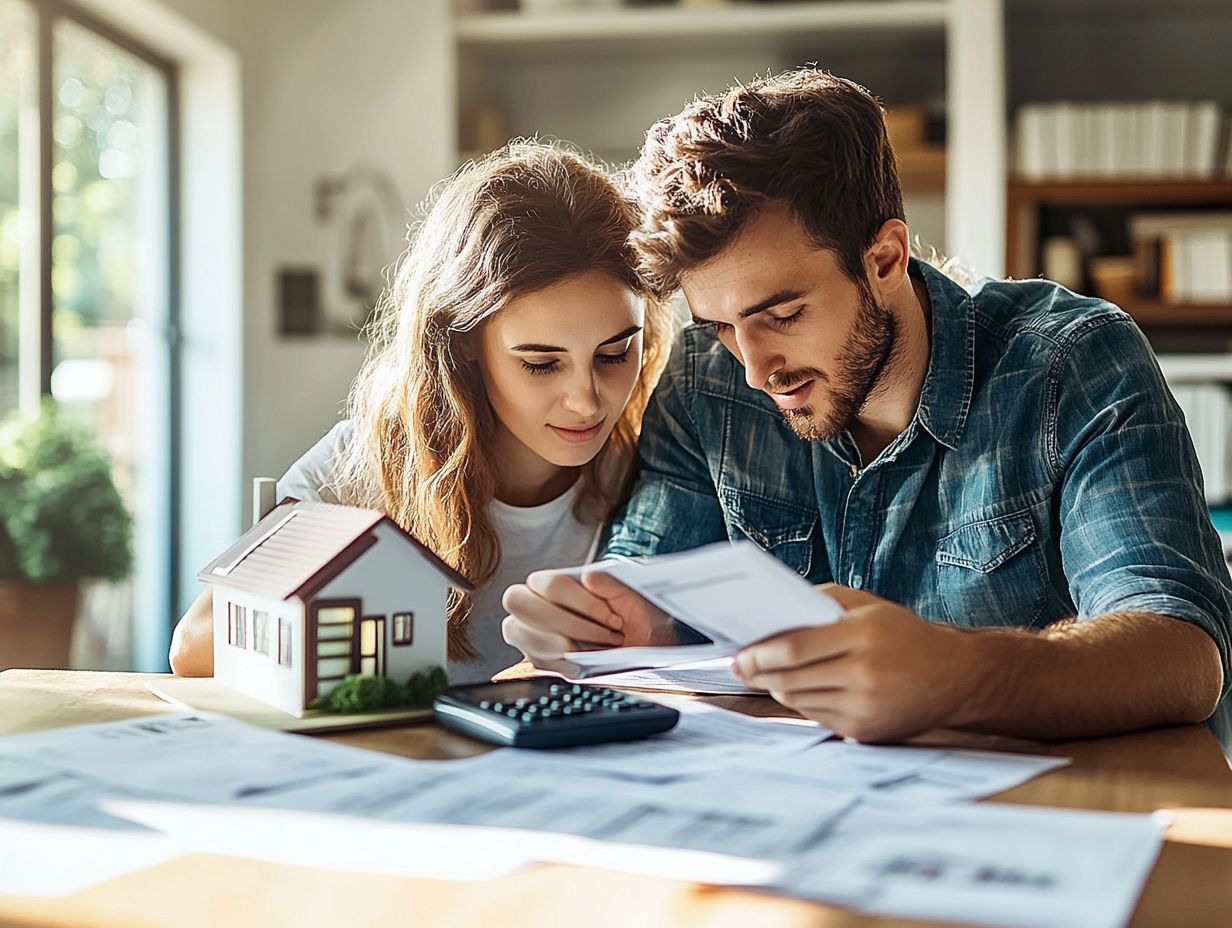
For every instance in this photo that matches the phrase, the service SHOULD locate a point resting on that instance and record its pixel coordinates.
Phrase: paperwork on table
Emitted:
(707, 738)
(54, 860)
(1018, 866)
(819, 821)
(907, 774)
(711, 677)
(732, 593)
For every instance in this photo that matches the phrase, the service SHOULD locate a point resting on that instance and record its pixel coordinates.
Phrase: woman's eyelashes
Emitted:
(548, 367)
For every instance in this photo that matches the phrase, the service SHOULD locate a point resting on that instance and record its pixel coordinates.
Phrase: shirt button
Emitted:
(856, 580)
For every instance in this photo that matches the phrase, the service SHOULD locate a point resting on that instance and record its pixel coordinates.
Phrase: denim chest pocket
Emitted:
(784, 530)
(992, 572)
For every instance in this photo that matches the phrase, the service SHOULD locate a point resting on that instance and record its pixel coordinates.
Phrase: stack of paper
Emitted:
(734, 594)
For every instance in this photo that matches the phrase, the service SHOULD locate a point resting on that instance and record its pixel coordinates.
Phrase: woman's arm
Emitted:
(192, 643)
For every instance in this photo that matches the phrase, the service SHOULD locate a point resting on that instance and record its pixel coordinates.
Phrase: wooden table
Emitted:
(1178, 769)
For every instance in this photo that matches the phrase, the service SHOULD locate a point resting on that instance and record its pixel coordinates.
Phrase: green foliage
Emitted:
(360, 693)
(61, 517)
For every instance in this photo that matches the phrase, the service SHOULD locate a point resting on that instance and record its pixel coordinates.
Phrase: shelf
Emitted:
(922, 169)
(1190, 368)
(1156, 314)
(671, 24)
(1147, 192)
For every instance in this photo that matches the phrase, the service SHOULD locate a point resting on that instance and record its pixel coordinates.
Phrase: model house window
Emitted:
(284, 642)
(261, 632)
(237, 625)
(404, 627)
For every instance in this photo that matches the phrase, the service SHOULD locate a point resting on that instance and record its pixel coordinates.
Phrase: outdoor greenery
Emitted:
(361, 693)
(61, 518)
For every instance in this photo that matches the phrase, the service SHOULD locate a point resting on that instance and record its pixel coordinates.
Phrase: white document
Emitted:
(1017, 866)
(430, 851)
(707, 738)
(905, 775)
(964, 776)
(207, 757)
(314, 839)
(733, 593)
(56, 860)
(501, 790)
(711, 677)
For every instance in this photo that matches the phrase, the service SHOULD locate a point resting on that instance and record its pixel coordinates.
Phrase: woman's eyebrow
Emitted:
(621, 336)
(549, 349)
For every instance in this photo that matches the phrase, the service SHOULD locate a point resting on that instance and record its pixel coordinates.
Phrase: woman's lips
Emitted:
(795, 398)
(578, 435)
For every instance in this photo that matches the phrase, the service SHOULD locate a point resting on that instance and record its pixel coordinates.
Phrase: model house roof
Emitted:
(300, 546)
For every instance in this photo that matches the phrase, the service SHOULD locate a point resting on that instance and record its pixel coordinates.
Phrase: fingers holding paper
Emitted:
(556, 612)
(552, 613)
(881, 673)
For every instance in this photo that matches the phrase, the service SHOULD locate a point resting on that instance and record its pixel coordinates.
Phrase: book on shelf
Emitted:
(1208, 417)
(1064, 140)
(1183, 257)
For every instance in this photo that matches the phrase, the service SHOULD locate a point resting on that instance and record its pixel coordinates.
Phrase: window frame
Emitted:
(403, 641)
(46, 14)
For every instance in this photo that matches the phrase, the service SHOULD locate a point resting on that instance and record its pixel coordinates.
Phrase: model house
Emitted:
(314, 592)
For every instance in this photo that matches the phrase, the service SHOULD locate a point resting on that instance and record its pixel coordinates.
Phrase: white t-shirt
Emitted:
(531, 538)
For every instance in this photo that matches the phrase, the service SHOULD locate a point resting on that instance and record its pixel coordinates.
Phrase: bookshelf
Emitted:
(599, 77)
(1025, 201)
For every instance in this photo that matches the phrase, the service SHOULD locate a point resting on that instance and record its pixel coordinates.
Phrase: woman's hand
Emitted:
(554, 612)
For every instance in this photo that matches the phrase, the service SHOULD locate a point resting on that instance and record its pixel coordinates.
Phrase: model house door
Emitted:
(333, 629)
(370, 655)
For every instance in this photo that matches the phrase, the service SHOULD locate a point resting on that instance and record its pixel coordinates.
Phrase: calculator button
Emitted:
(544, 700)
(554, 689)
(528, 717)
(497, 707)
(485, 704)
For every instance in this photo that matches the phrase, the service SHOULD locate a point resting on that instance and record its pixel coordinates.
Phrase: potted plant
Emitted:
(62, 521)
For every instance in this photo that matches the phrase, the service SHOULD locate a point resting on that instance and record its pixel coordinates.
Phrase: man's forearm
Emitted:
(1115, 673)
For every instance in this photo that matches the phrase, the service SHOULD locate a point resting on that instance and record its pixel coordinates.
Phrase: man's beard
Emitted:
(861, 364)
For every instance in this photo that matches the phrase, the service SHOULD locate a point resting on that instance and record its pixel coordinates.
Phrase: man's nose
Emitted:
(759, 363)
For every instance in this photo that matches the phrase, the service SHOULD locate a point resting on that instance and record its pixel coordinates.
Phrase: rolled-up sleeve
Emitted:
(1136, 534)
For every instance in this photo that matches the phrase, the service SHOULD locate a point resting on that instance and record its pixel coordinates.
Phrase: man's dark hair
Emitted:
(807, 139)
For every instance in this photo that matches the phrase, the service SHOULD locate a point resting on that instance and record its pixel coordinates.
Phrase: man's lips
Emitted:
(578, 435)
(794, 398)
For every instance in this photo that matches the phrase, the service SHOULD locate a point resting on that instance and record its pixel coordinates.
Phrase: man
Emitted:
(997, 483)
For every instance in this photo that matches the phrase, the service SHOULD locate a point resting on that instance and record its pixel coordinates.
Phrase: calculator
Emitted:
(541, 713)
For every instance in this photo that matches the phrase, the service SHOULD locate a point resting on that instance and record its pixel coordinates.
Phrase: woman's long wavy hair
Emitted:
(521, 219)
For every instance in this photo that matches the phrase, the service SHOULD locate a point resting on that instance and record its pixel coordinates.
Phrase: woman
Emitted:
(496, 415)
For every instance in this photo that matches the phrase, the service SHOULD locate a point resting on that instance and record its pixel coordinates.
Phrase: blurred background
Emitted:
(198, 197)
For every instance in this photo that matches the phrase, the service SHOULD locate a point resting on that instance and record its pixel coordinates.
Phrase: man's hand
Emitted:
(553, 613)
(880, 673)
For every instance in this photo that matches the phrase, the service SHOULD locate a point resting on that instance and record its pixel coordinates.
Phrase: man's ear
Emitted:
(885, 262)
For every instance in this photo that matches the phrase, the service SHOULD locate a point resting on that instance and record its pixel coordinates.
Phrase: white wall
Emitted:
(323, 86)
(326, 85)
(336, 84)
(391, 578)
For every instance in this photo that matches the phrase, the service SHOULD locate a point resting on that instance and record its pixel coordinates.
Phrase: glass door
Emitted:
(372, 646)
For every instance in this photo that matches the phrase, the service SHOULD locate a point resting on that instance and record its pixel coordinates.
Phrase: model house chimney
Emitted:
(264, 492)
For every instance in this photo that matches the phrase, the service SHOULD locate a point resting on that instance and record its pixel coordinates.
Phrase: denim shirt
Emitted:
(1047, 473)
